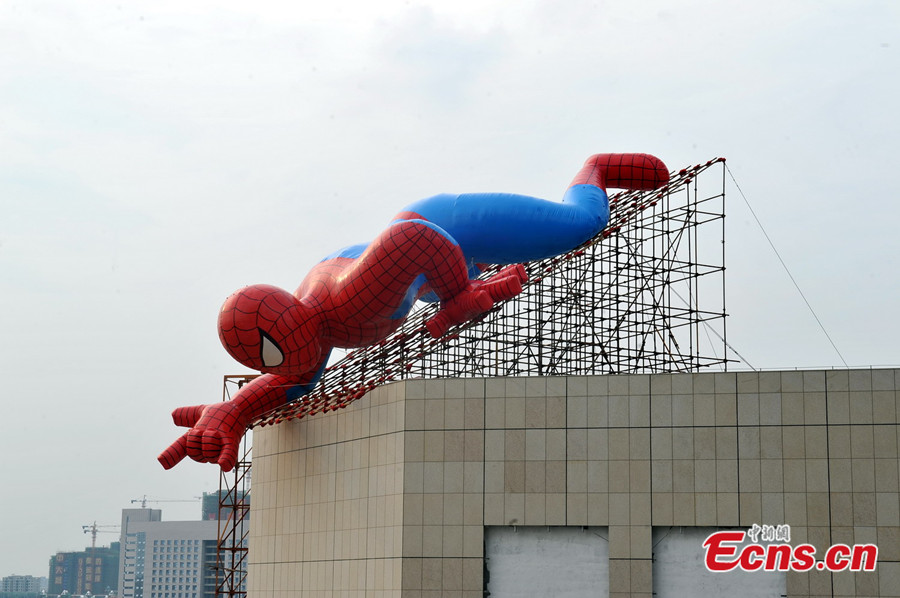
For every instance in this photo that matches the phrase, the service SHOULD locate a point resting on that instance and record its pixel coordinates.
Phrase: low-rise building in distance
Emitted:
(22, 584)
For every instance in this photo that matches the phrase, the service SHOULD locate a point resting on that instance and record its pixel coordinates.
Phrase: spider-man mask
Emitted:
(267, 329)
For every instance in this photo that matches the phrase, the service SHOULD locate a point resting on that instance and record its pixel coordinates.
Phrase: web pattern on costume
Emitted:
(636, 172)
(359, 298)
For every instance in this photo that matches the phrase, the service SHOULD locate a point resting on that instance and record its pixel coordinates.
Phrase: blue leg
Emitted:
(502, 228)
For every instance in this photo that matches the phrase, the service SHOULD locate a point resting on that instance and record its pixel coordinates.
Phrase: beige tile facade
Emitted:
(390, 496)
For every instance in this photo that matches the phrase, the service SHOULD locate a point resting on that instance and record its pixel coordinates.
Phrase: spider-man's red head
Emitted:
(265, 328)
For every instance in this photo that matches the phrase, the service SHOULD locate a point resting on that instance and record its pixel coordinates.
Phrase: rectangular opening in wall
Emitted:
(679, 568)
(564, 562)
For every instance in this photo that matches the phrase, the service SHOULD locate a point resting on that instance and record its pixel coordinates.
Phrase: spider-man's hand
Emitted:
(214, 436)
(477, 298)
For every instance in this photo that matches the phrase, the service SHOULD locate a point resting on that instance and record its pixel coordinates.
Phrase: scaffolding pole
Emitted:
(232, 543)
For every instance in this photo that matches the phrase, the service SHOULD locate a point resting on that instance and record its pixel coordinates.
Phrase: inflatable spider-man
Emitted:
(356, 297)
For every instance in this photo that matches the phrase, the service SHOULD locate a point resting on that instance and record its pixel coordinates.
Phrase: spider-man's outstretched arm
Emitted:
(216, 430)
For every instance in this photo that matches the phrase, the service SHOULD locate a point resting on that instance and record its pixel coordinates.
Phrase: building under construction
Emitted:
(94, 570)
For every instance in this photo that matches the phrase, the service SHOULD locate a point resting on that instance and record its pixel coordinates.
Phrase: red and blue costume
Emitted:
(358, 296)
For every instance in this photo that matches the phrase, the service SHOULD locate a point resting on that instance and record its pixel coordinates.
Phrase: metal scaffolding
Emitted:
(646, 295)
(234, 513)
(628, 301)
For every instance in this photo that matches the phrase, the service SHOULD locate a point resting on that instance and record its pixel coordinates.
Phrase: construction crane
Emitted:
(94, 529)
(144, 500)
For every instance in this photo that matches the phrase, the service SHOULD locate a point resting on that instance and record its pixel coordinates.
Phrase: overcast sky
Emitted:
(155, 156)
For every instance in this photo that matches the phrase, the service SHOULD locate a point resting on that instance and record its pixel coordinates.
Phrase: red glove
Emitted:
(214, 436)
(478, 297)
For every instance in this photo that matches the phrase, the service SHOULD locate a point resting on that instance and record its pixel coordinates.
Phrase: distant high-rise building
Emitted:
(166, 559)
(94, 570)
(22, 584)
(131, 558)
